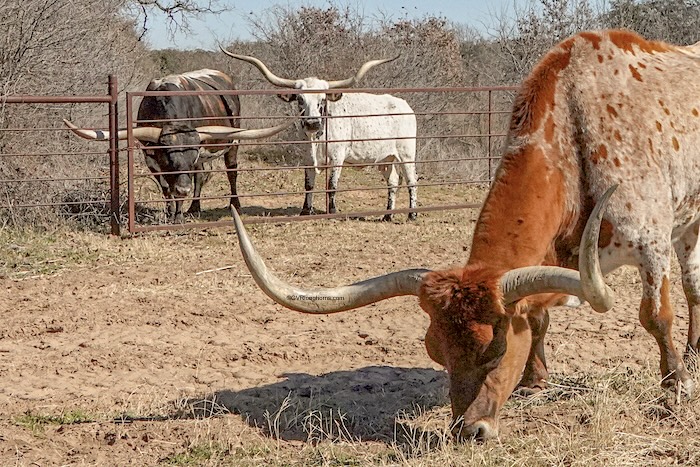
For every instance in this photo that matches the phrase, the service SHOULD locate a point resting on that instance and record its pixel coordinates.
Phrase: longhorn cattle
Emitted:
(365, 128)
(600, 109)
(167, 129)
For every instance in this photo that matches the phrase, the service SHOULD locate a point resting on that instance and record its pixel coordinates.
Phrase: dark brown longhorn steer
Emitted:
(167, 129)
(600, 109)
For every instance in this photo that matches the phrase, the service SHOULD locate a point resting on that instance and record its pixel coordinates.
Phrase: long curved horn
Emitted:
(96, 135)
(270, 76)
(588, 283)
(595, 290)
(345, 83)
(207, 133)
(144, 133)
(330, 300)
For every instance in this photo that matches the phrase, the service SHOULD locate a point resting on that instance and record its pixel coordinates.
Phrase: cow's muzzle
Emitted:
(481, 430)
(183, 186)
(311, 125)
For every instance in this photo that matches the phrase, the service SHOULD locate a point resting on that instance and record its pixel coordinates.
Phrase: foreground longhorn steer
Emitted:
(388, 136)
(600, 109)
(171, 121)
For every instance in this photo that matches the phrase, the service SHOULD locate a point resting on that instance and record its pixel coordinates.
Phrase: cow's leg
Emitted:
(199, 179)
(179, 217)
(333, 186)
(689, 258)
(168, 196)
(391, 175)
(171, 207)
(656, 314)
(409, 171)
(535, 375)
(231, 161)
(309, 181)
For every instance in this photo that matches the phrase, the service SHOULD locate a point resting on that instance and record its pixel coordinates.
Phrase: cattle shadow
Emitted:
(217, 214)
(357, 404)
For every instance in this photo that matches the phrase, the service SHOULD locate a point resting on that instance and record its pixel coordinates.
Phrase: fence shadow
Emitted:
(357, 404)
(217, 214)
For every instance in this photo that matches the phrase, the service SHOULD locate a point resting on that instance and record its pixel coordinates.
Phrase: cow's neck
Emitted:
(523, 213)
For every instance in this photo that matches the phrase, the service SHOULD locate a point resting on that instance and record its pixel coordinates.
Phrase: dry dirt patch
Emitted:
(98, 329)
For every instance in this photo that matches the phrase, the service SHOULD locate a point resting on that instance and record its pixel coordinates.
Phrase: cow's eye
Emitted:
(494, 352)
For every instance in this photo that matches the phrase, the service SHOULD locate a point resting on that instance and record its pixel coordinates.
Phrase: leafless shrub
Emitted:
(58, 48)
(675, 21)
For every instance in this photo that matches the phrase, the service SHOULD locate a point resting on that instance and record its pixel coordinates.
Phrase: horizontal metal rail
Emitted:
(42, 180)
(311, 217)
(316, 191)
(275, 92)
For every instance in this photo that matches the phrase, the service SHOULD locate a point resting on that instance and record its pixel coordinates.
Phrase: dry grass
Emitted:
(606, 418)
(610, 418)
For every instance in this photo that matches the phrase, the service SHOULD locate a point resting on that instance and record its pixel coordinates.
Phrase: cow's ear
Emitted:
(334, 96)
(287, 97)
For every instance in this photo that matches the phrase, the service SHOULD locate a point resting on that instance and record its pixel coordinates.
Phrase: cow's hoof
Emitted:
(530, 389)
(195, 208)
(412, 216)
(685, 389)
(306, 212)
(387, 218)
(526, 392)
(680, 384)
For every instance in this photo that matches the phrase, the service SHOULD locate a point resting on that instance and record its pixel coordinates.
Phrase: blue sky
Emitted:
(208, 30)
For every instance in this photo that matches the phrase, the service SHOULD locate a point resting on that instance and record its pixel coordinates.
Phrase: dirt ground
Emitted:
(154, 358)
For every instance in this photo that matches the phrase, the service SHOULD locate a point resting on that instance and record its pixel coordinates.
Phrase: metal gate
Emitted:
(31, 183)
(456, 147)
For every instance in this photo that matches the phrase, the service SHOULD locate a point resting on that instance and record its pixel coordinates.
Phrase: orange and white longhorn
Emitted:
(601, 109)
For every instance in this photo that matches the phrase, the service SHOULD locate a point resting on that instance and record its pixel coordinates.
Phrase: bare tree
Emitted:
(537, 27)
(177, 12)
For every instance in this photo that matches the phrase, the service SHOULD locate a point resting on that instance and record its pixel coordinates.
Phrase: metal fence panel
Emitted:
(460, 133)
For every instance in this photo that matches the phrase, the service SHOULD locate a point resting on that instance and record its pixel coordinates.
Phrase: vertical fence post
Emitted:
(325, 150)
(488, 160)
(130, 165)
(113, 154)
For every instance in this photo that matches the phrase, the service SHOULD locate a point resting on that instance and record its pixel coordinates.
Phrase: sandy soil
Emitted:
(131, 335)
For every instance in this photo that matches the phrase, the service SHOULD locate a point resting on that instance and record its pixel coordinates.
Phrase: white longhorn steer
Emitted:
(362, 129)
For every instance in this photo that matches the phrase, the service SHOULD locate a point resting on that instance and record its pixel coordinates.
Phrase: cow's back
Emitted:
(637, 118)
(601, 108)
(381, 116)
(192, 106)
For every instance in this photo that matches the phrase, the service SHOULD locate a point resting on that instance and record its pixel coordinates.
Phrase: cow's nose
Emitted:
(181, 191)
(311, 124)
(480, 431)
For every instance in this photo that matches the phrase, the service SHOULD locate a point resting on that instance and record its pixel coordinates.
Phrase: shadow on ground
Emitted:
(357, 404)
(216, 214)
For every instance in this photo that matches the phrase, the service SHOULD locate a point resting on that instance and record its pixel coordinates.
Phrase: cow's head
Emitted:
(176, 147)
(477, 331)
(312, 105)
